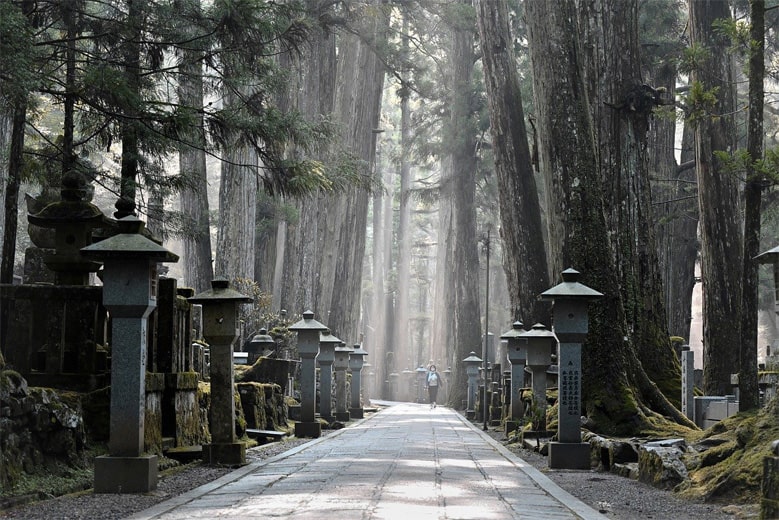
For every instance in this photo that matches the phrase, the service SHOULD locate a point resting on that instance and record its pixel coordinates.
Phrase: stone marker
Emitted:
(472, 364)
(340, 365)
(327, 345)
(540, 343)
(356, 364)
(688, 383)
(517, 356)
(220, 330)
(570, 324)
(308, 330)
(129, 294)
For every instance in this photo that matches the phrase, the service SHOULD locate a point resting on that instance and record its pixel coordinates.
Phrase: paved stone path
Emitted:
(406, 462)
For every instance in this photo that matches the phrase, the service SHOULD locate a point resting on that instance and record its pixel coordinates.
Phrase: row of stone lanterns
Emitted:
(316, 343)
(533, 349)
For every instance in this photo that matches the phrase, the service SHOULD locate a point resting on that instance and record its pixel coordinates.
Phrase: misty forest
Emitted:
(417, 172)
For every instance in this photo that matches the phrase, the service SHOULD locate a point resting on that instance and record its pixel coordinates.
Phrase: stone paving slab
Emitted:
(405, 462)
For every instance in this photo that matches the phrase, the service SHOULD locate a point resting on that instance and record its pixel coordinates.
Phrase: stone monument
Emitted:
(220, 330)
(129, 293)
(570, 324)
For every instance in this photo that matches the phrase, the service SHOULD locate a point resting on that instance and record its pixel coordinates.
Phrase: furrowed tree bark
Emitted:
(462, 145)
(749, 394)
(521, 229)
(617, 395)
(718, 202)
(193, 198)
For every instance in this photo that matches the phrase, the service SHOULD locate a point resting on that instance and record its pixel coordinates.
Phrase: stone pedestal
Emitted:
(125, 474)
(569, 455)
(226, 453)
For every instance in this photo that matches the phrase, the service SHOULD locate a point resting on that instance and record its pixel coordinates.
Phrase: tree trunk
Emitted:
(15, 163)
(462, 145)
(131, 148)
(749, 394)
(358, 105)
(676, 217)
(721, 239)
(521, 228)
(238, 186)
(312, 92)
(402, 329)
(616, 393)
(622, 106)
(198, 269)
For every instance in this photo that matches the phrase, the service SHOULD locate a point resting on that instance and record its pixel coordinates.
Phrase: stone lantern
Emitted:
(517, 356)
(340, 365)
(421, 377)
(570, 324)
(368, 382)
(472, 364)
(129, 294)
(220, 330)
(540, 343)
(325, 359)
(260, 345)
(308, 330)
(356, 364)
(447, 381)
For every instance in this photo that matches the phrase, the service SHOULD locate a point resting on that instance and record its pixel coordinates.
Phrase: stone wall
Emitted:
(40, 429)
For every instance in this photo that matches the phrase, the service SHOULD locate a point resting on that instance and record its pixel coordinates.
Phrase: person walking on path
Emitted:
(432, 383)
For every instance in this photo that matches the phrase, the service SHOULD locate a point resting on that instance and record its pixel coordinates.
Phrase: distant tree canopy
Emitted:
(118, 65)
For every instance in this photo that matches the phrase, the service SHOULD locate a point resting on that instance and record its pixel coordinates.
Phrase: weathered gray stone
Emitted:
(661, 466)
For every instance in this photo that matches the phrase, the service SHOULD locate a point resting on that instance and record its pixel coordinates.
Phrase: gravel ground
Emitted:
(616, 497)
(621, 498)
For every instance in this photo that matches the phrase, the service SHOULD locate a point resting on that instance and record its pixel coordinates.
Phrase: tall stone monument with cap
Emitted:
(220, 330)
(356, 365)
(340, 365)
(129, 294)
(308, 330)
(570, 324)
(517, 356)
(327, 345)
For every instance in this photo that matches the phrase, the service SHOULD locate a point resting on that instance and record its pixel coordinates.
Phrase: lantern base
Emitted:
(569, 455)
(125, 474)
(342, 416)
(356, 413)
(225, 453)
(308, 429)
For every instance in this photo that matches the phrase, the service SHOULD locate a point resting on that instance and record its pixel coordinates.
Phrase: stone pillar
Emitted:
(327, 345)
(688, 384)
(340, 365)
(220, 330)
(129, 293)
(540, 343)
(421, 380)
(570, 325)
(308, 330)
(472, 364)
(394, 386)
(517, 355)
(356, 365)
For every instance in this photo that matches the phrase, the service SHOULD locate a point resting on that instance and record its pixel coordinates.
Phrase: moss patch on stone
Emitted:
(732, 470)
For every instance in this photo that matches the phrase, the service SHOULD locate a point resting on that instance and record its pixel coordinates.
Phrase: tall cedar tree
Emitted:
(616, 393)
(521, 227)
(711, 107)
